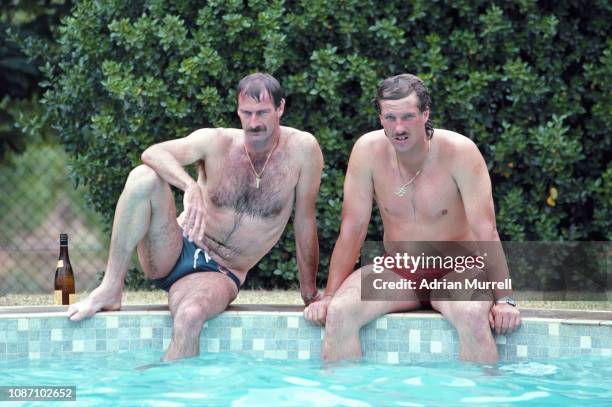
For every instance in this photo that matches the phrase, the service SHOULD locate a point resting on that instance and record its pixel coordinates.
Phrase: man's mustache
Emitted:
(256, 129)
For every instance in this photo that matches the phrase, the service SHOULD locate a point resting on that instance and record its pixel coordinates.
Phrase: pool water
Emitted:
(242, 380)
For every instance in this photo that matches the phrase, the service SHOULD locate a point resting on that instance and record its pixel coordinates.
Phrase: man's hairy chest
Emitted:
(232, 185)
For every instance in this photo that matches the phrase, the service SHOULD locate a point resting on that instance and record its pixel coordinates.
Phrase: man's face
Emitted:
(403, 122)
(259, 119)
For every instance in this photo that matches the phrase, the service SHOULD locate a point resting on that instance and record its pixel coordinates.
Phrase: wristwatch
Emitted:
(506, 300)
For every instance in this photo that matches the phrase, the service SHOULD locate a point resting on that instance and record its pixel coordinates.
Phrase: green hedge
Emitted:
(528, 81)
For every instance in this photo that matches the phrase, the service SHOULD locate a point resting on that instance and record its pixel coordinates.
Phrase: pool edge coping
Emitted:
(581, 317)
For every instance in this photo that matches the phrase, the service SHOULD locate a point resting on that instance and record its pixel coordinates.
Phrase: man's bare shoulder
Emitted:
(299, 140)
(297, 135)
(215, 139)
(458, 152)
(453, 145)
(372, 141)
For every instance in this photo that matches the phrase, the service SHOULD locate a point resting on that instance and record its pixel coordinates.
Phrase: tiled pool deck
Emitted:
(281, 332)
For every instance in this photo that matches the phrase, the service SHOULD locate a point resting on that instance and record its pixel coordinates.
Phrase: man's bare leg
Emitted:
(471, 319)
(347, 314)
(193, 300)
(145, 212)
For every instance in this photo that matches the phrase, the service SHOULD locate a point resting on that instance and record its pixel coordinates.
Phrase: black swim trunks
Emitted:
(192, 260)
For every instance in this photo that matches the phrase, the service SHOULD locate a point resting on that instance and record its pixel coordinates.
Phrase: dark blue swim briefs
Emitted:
(192, 260)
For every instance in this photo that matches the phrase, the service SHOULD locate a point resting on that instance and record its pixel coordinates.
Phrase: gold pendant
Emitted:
(257, 181)
(401, 191)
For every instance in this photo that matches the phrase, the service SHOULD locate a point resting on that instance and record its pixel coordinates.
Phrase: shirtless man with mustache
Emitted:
(234, 213)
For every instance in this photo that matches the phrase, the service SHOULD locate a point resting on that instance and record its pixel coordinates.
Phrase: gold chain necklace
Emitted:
(258, 175)
(401, 191)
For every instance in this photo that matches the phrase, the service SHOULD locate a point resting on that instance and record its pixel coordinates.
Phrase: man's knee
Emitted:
(472, 315)
(142, 179)
(338, 315)
(190, 316)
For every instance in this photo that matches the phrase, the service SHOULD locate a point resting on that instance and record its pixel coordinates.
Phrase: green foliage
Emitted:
(527, 81)
(32, 23)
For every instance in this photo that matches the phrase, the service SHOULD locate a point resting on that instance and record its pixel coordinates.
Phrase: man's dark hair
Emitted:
(255, 84)
(401, 86)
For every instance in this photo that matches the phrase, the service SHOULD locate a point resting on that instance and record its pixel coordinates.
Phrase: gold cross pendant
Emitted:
(401, 191)
(257, 181)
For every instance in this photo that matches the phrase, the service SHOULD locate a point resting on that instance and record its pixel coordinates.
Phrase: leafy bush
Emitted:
(527, 81)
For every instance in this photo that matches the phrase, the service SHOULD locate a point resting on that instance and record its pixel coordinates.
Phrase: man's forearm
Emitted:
(307, 247)
(167, 167)
(342, 263)
(496, 265)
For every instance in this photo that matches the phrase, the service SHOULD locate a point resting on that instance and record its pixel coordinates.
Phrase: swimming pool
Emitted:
(243, 380)
(270, 355)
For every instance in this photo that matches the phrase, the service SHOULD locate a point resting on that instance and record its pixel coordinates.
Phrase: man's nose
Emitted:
(400, 126)
(253, 121)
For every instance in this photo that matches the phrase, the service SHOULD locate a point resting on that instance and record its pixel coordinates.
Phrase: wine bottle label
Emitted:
(60, 263)
(57, 297)
(71, 298)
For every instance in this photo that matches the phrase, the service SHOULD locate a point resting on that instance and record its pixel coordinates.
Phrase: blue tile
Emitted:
(157, 333)
(112, 333)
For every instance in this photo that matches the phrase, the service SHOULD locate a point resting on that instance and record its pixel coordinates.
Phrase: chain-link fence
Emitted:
(38, 202)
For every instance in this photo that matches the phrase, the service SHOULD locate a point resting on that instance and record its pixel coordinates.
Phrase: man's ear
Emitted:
(281, 107)
(426, 115)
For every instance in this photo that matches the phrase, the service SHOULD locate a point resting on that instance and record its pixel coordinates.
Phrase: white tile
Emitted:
(436, 347)
(521, 351)
(393, 358)
(414, 335)
(304, 354)
(585, 342)
(259, 344)
(22, 324)
(56, 334)
(112, 322)
(606, 352)
(381, 323)
(293, 322)
(214, 345)
(78, 345)
(553, 329)
(236, 334)
(146, 332)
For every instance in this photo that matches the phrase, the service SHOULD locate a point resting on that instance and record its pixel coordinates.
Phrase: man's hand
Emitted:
(316, 312)
(310, 298)
(194, 219)
(504, 318)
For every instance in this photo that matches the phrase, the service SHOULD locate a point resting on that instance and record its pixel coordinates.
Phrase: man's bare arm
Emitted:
(168, 159)
(472, 177)
(356, 212)
(305, 222)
